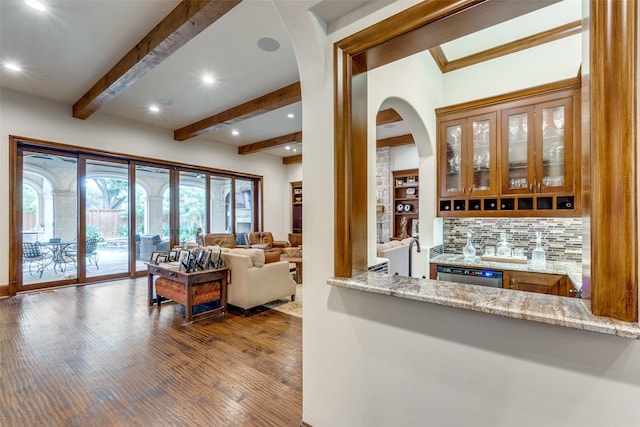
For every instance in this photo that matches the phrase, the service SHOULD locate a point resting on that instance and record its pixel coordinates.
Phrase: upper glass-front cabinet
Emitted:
(537, 157)
(469, 166)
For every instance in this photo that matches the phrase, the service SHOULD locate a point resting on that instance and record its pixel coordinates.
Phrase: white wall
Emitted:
(32, 117)
(373, 360)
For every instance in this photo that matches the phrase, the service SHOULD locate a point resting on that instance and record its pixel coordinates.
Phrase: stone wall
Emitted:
(383, 194)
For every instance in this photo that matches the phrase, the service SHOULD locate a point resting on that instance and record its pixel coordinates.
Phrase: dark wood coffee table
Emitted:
(189, 289)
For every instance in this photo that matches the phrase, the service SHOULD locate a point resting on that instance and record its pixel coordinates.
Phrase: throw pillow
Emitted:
(273, 256)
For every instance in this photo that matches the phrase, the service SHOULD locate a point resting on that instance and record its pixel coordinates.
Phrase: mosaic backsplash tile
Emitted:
(561, 237)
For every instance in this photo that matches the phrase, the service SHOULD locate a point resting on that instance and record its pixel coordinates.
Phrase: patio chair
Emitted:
(36, 256)
(91, 252)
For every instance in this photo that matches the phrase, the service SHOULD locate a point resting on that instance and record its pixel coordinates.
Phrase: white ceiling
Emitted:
(70, 46)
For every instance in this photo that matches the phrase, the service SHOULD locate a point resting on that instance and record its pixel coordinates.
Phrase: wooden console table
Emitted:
(297, 260)
(189, 289)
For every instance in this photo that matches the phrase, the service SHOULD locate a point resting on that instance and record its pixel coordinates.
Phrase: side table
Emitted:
(189, 289)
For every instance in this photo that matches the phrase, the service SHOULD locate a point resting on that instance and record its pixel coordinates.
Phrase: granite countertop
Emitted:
(553, 310)
(571, 269)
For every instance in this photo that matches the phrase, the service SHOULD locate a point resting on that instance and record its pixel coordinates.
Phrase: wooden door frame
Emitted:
(609, 134)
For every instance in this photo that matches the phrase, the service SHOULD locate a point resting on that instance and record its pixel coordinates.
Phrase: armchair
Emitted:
(252, 282)
(150, 243)
(264, 240)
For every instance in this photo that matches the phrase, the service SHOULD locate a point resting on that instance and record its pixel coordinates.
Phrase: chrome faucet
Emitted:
(416, 242)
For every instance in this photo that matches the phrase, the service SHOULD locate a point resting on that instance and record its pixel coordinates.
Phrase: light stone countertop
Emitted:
(550, 309)
(571, 269)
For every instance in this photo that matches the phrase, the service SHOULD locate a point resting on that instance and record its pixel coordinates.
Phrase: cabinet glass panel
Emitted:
(481, 155)
(454, 158)
(518, 152)
(553, 147)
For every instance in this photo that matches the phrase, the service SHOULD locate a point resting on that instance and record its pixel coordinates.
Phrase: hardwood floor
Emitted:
(97, 355)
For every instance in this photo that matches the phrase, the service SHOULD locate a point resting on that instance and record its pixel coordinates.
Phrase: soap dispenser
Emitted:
(538, 257)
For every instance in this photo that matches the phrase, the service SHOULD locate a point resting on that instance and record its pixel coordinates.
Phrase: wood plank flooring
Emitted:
(97, 355)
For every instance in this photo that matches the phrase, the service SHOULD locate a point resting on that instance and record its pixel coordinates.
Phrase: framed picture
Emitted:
(399, 182)
(411, 180)
(174, 254)
(162, 258)
(415, 230)
(204, 258)
(183, 257)
(154, 256)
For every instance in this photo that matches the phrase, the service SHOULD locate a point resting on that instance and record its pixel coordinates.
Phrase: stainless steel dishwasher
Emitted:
(472, 276)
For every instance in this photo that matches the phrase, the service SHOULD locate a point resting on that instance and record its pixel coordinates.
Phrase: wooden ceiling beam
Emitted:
(289, 160)
(388, 116)
(268, 144)
(181, 25)
(395, 141)
(272, 101)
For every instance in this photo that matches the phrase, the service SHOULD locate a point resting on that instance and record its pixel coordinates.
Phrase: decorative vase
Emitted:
(538, 257)
(469, 251)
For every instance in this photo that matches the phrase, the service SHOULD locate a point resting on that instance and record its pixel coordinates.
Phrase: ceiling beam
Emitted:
(438, 55)
(395, 141)
(292, 159)
(387, 116)
(267, 144)
(272, 101)
(182, 24)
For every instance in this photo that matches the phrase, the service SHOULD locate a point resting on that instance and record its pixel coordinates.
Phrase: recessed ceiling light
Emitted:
(154, 108)
(11, 66)
(291, 115)
(287, 148)
(268, 44)
(208, 79)
(235, 132)
(295, 149)
(36, 5)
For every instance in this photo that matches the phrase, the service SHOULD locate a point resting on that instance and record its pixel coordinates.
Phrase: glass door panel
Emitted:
(482, 155)
(244, 207)
(453, 182)
(153, 194)
(49, 218)
(518, 150)
(192, 195)
(220, 195)
(555, 170)
(107, 218)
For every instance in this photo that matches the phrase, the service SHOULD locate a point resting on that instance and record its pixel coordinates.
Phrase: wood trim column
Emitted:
(614, 141)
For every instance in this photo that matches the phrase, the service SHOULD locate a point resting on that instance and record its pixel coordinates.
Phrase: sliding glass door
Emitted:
(192, 194)
(152, 212)
(49, 216)
(107, 218)
(83, 216)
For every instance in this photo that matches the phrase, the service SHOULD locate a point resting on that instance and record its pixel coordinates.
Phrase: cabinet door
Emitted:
(554, 147)
(452, 154)
(518, 168)
(533, 282)
(481, 173)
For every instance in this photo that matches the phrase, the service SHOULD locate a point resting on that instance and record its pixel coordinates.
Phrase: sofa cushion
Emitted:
(273, 256)
(256, 255)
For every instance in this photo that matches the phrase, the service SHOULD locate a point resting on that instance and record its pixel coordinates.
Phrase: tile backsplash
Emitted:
(561, 237)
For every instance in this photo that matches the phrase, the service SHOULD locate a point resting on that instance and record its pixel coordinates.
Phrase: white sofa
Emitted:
(252, 282)
(397, 252)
